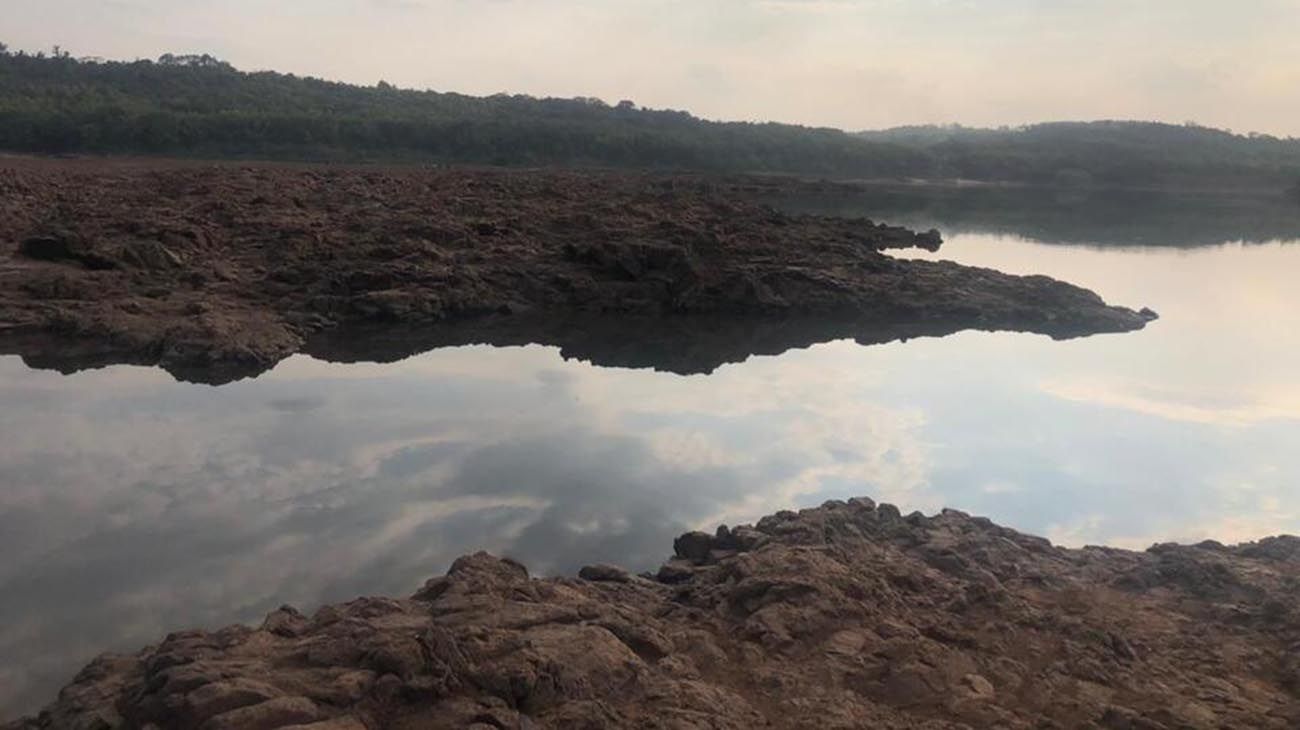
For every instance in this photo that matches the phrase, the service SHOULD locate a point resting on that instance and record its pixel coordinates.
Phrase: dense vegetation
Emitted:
(1108, 153)
(201, 106)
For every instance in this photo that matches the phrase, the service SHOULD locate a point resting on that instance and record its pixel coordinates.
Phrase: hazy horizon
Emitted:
(850, 64)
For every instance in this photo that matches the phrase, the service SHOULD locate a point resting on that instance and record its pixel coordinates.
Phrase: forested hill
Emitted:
(1106, 153)
(198, 106)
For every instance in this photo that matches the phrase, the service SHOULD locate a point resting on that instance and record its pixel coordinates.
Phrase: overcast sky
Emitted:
(846, 63)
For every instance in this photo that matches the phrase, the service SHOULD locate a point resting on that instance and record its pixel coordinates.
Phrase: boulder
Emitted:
(602, 573)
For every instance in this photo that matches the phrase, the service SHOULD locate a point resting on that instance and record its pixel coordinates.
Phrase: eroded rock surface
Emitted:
(845, 616)
(217, 272)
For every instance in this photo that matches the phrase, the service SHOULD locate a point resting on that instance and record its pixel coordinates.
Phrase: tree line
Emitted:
(1106, 154)
(201, 106)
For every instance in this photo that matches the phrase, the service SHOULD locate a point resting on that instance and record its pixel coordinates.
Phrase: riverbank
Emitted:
(218, 271)
(847, 615)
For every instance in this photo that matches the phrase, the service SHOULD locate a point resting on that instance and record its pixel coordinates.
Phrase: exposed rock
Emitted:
(604, 574)
(835, 617)
(694, 546)
(150, 255)
(286, 621)
(217, 272)
(50, 247)
(675, 572)
(63, 246)
(272, 714)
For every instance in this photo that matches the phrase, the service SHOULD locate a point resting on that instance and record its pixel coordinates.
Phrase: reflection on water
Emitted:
(131, 504)
(1078, 217)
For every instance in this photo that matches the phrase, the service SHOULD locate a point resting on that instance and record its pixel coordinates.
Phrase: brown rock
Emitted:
(605, 574)
(171, 264)
(694, 546)
(270, 715)
(338, 723)
(675, 571)
(978, 686)
(225, 695)
(839, 620)
(286, 621)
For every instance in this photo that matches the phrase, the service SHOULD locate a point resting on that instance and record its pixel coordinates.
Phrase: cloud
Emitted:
(853, 64)
(1174, 405)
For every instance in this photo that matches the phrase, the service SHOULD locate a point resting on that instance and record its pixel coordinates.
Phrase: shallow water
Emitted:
(131, 505)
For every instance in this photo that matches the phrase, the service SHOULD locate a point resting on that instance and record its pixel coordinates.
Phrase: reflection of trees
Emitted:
(1069, 216)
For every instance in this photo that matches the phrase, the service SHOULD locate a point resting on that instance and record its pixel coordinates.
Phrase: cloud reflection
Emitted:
(131, 505)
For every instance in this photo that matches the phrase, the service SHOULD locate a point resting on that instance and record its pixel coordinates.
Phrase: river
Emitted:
(131, 505)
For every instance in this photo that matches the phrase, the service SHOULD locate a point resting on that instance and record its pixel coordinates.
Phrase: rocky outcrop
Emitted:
(846, 616)
(217, 272)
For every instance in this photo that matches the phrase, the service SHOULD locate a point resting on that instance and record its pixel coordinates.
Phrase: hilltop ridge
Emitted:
(199, 106)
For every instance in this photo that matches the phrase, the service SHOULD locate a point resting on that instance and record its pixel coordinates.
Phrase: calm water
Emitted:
(131, 504)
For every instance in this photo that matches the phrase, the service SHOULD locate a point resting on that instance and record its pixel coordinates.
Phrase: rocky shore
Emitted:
(217, 272)
(849, 615)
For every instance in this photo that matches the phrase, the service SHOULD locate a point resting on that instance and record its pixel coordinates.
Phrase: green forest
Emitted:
(200, 106)
(1106, 153)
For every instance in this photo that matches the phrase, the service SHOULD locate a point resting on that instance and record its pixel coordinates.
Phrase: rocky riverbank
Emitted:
(845, 616)
(217, 272)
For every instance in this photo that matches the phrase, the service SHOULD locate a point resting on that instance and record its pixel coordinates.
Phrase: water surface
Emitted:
(131, 505)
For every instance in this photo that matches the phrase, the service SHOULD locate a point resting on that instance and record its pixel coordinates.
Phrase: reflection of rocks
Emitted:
(683, 345)
(219, 272)
(844, 616)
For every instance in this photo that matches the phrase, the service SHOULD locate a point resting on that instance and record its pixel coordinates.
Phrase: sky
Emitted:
(854, 64)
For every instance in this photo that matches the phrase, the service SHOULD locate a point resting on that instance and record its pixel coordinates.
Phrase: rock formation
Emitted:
(850, 615)
(217, 272)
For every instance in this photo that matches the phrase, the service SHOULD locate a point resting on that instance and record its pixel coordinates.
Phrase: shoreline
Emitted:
(781, 179)
(216, 273)
(845, 615)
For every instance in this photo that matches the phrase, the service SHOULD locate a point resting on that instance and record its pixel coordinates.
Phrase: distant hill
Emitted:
(199, 106)
(1105, 153)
